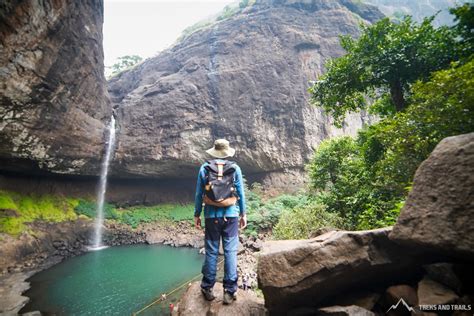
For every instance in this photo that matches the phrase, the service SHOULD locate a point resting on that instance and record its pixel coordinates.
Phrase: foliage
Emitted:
(228, 11)
(89, 209)
(124, 63)
(303, 221)
(165, 212)
(138, 214)
(263, 215)
(16, 210)
(464, 16)
(382, 64)
(338, 172)
(365, 180)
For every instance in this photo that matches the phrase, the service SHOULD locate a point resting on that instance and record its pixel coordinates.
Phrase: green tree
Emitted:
(125, 62)
(338, 174)
(382, 64)
(366, 180)
(464, 16)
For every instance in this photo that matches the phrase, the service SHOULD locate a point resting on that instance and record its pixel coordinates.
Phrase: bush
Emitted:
(89, 209)
(264, 215)
(302, 221)
(165, 212)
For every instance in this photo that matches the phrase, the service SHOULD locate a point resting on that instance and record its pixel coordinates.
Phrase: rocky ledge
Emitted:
(426, 259)
(193, 303)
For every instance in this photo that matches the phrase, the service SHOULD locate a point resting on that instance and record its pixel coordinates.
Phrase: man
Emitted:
(220, 186)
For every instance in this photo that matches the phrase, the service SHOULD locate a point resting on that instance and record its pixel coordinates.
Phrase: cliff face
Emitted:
(245, 79)
(53, 98)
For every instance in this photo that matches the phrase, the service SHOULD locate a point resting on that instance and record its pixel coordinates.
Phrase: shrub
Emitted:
(302, 221)
(89, 209)
(165, 212)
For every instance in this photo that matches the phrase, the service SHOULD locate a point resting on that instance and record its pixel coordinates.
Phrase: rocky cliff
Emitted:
(53, 98)
(244, 78)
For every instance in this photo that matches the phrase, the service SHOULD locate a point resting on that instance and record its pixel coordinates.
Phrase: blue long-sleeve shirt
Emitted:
(211, 211)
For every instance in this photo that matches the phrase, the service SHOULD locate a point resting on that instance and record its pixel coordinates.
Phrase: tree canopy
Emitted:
(382, 64)
(125, 62)
(365, 179)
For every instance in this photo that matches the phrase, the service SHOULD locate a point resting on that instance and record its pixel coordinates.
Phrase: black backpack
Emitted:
(220, 180)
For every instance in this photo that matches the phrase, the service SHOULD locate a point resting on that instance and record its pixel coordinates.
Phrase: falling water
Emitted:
(103, 187)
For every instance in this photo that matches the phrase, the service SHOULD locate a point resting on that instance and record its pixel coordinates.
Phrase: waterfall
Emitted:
(99, 222)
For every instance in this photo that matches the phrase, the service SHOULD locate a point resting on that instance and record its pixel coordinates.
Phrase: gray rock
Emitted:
(295, 273)
(366, 300)
(53, 93)
(11, 289)
(193, 303)
(396, 292)
(344, 311)
(444, 274)
(34, 313)
(440, 206)
(244, 78)
(433, 293)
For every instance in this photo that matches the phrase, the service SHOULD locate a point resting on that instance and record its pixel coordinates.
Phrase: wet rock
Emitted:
(11, 288)
(433, 293)
(193, 303)
(441, 203)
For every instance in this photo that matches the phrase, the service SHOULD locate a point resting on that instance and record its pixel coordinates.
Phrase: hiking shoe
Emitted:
(208, 294)
(229, 298)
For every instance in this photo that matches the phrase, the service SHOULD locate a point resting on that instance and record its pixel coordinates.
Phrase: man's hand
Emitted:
(243, 221)
(197, 222)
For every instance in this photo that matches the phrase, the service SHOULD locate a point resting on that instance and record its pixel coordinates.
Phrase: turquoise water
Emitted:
(112, 281)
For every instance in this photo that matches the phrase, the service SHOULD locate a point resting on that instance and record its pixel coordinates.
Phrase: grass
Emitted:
(165, 212)
(16, 210)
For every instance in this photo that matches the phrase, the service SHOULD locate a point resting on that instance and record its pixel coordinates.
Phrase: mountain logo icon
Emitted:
(408, 307)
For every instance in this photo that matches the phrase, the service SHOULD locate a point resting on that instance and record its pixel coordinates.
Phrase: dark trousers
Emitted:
(228, 231)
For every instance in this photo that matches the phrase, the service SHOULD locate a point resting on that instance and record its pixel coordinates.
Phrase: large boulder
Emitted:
(440, 207)
(53, 97)
(296, 273)
(244, 78)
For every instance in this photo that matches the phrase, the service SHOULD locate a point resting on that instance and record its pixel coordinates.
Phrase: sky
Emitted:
(145, 27)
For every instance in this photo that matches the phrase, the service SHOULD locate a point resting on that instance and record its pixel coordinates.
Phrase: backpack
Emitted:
(220, 189)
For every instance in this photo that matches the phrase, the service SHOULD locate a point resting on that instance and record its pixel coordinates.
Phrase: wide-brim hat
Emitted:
(221, 149)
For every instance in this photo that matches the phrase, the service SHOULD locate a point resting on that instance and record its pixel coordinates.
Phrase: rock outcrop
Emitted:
(294, 273)
(193, 303)
(244, 78)
(53, 98)
(424, 264)
(440, 206)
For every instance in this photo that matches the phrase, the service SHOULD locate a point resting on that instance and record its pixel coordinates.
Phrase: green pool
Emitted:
(112, 281)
